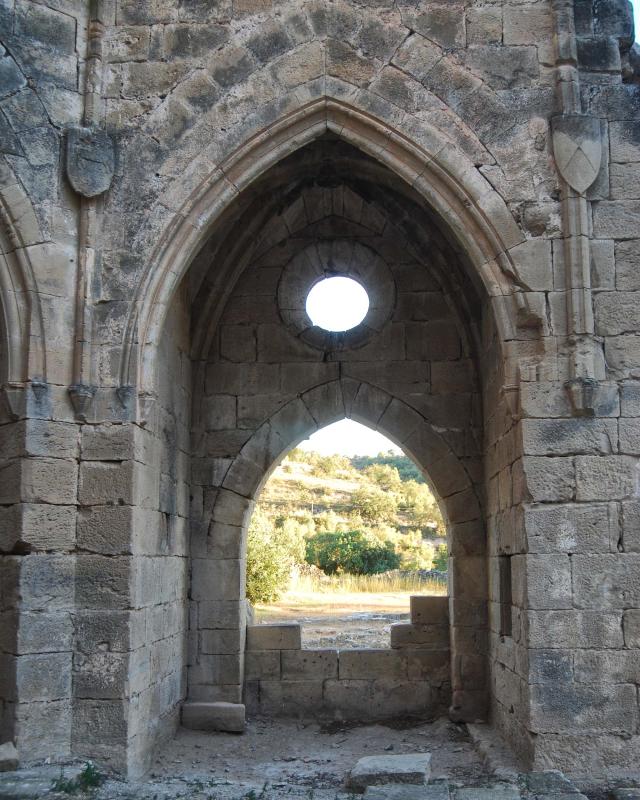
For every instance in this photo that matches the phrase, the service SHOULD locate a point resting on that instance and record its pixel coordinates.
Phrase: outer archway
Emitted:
(220, 346)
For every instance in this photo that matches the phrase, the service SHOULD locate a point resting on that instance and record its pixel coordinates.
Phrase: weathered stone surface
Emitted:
(400, 792)
(8, 757)
(412, 768)
(273, 637)
(213, 716)
(408, 143)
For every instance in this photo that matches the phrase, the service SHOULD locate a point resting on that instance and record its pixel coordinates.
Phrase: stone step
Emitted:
(28, 784)
(434, 791)
(409, 768)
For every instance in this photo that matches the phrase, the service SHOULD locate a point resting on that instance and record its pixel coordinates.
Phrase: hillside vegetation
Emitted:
(358, 516)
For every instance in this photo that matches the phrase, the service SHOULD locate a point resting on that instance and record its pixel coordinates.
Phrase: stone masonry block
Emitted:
(369, 664)
(49, 480)
(560, 707)
(422, 636)
(548, 582)
(429, 609)
(544, 479)
(573, 628)
(631, 627)
(428, 665)
(222, 641)
(567, 436)
(606, 478)
(103, 582)
(106, 529)
(262, 665)
(606, 581)
(291, 698)
(575, 528)
(104, 483)
(309, 664)
(217, 579)
(228, 717)
(411, 768)
(274, 637)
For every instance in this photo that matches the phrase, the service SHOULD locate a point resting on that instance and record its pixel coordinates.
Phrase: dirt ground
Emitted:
(285, 754)
(343, 621)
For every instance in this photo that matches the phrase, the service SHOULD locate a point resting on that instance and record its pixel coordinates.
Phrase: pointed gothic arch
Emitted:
(220, 543)
(472, 210)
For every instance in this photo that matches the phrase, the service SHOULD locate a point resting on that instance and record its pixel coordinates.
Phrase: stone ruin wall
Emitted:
(411, 679)
(106, 494)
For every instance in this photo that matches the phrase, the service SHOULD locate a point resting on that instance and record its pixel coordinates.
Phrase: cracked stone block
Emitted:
(410, 768)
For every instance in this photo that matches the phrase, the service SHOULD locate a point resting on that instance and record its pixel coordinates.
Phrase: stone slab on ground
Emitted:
(632, 793)
(9, 760)
(26, 784)
(435, 791)
(496, 792)
(229, 717)
(411, 768)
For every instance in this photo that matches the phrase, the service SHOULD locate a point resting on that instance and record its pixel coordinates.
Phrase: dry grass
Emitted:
(340, 596)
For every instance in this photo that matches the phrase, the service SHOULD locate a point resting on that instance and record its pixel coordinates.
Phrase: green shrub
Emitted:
(441, 558)
(351, 552)
(374, 505)
(271, 553)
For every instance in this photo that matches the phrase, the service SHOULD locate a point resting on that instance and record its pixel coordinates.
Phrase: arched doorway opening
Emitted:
(359, 628)
(344, 531)
(265, 377)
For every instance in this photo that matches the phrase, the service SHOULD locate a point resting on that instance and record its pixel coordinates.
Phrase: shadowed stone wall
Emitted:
(162, 163)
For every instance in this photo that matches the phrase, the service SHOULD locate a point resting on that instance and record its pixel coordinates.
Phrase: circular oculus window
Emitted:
(337, 304)
(322, 297)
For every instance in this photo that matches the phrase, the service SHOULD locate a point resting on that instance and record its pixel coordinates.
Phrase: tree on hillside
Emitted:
(385, 476)
(418, 500)
(374, 505)
(350, 552)
(407, 470)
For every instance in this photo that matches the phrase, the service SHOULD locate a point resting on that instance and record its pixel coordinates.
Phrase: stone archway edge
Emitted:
(444, 177)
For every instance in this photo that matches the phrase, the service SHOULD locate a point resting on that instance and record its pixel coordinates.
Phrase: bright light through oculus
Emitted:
(337, 304)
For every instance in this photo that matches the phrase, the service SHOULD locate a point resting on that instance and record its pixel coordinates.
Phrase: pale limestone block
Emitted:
(548, 582)
(309, 664)
(9, 760)
(370, 664)
(567, 436)
(103, 582)
(573, 629)
(108, 529)
(429, 609)
(214, 716)
(291, 698)
(412, 768)
(222, 641)
(559, 708)
(47, 480)
(606, 478)
(430, 665)
(614, 584)
(409, 635)
(274, 637)
(570, 528)
(262, 665)
(532, 261)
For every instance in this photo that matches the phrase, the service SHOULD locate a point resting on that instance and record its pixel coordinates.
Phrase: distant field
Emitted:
(348, 612)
